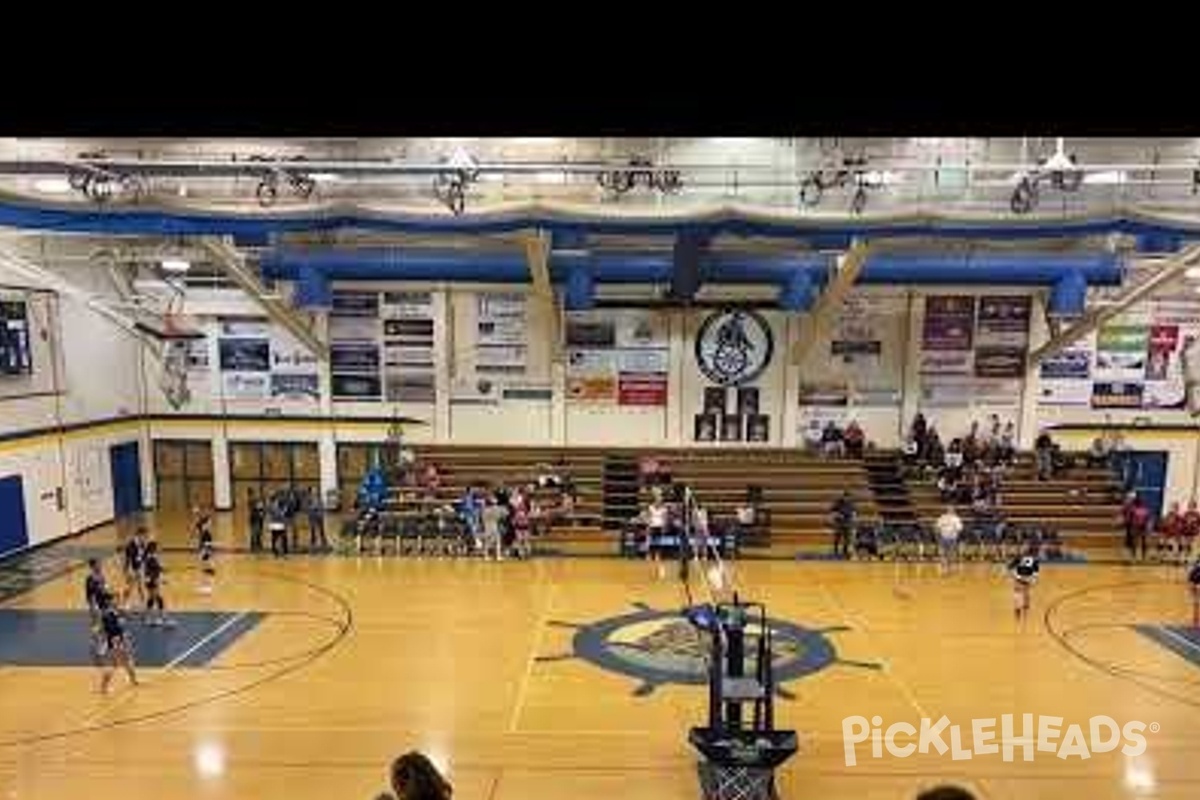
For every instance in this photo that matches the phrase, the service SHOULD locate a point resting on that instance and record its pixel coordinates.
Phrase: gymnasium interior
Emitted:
(594, 468)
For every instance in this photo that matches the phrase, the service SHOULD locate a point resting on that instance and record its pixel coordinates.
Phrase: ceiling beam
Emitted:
(830, 300)
(234, 265)
(537, 254)
(1172, 268)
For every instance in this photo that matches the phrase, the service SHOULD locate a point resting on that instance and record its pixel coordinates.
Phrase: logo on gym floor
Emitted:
(734, 346)
(661, 647)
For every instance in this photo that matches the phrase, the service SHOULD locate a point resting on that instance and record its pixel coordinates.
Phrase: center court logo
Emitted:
(1036, 734)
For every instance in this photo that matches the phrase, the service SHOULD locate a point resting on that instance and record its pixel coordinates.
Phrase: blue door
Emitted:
(13, 533)
(125, 462)
(1145, 472)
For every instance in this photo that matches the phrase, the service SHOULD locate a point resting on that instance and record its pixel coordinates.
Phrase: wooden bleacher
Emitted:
(1082, 504)
(797, 489)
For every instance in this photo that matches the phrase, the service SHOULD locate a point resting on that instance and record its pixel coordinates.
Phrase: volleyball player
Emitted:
(153, 570)
(134, 558)
(112, 644)
(1025, 574)
(1194, 583)
(657, 516)
(204, 536)
(95, 590)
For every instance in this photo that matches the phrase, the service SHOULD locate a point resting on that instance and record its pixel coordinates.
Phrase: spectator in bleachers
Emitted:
(832, 441)
(1007, 446)
(919, 429)
(1043, 450)
(813, 436)
(258, 518)
(855, 439)
(316, 522)
(954, 458)
(431, 480)
(972, 445)
(843, 525)
(1097, 455)
(934, 453)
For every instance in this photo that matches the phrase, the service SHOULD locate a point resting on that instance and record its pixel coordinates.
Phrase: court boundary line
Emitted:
(536, 646)
(203, 640)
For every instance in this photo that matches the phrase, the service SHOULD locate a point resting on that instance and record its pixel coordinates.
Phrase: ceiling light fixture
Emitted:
(324, 177)
(176, 265)
(1192, 273)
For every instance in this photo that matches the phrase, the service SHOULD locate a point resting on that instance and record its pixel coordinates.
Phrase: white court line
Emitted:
(1186, 641)
(539, 634)
(217, 631)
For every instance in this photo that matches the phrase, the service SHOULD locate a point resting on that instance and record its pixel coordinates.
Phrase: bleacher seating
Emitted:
(1082, 504)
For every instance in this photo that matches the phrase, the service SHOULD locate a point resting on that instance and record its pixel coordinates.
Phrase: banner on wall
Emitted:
(642, 389)
(1004, 321)
(295, 387)
(617, 357)
(1065, 378)
(415, 387)
(355, 304)
(824, 394)
(246, 385)
(1108, 395)
(245, 355)
(591, 376)
(949, 323)
(500, 333)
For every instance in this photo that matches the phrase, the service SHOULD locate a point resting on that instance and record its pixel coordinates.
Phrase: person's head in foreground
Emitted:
(946, 793)
(414, 777)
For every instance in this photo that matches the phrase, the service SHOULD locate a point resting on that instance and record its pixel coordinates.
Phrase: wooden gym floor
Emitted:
(357, 659)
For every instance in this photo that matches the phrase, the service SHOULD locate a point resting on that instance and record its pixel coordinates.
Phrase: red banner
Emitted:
(642, 389)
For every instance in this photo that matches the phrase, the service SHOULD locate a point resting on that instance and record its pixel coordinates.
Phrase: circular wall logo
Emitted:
(661, 647)
(734, 346)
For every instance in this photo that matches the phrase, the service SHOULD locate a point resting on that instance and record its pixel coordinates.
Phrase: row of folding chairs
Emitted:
(979, 541)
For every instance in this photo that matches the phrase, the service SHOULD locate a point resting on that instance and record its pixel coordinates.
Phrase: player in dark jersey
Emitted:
(134, 554)
(153, 569)
(95, 590)
(113, 647)
(204, 536)
(1025, 574)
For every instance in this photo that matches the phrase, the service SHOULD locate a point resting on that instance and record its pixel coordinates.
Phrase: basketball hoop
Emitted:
(175, 353)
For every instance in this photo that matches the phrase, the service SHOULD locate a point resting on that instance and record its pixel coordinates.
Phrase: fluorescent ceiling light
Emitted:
(52, 185)
(1192, 273)
(324, 177)
(176, 265)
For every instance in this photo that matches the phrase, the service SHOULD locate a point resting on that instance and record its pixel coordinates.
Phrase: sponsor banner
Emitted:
(243, 327)
(592, 389)
(946, 363)
(816, 394)
(354, 358)
(408, 305)
(1066, 393)
(1117, 395)
(849, 349)
(245, 355)
(500, 358)
(353, 329)
(1003, 321)
(1175, 312)
(527, 392)
(642, 389)
(642, 361)
(1164, 394)
(397, 355)
(289, 356)
(295, 387)
(410, 388)
(501, 320)
(246, 385)
(355, 304)
(999, 362)
(949, 322)
(641, 329)
(591, 333)
(876, 397)
(1067, 365)
(356, 387)
(1123, 338)
(1120, 366)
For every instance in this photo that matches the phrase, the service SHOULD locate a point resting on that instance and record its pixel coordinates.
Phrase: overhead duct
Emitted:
(1068, 297)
